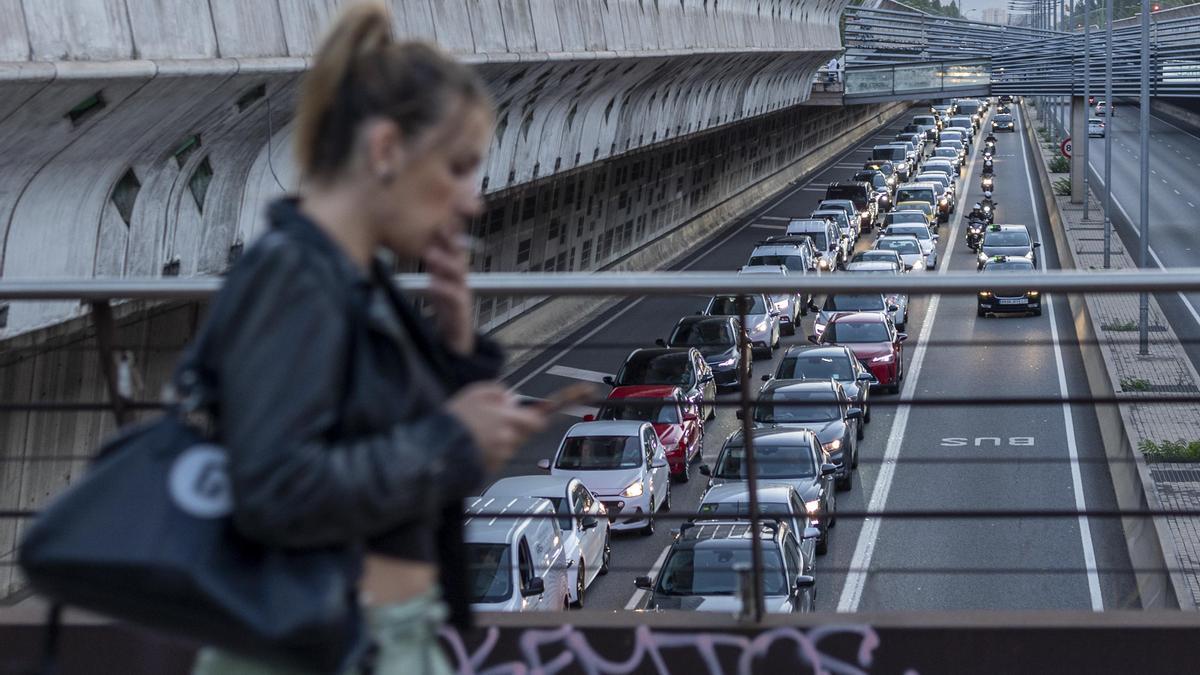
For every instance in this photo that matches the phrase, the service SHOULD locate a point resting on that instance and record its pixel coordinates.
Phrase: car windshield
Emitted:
(772, 461)
(871, 256)
(727, 305)
(666, 412)
(1004, 118)
(711, 570)
(924, 120)
(854, 302)
(855, 331)
(945, 152)
(674, 368)
(837, 215)
(815, 367)
(850, 192)
(920, 231)
(1006, 239)
(818, 238)
(700, 334)
(902, 246)
(1013, 266)
(792, 262)
(797, 407)
(906, 217)
(891, 153)
(914, 195)
(741, 510)
(600, 453)
(489, 572)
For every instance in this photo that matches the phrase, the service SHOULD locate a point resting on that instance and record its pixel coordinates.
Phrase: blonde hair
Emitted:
(361, 72)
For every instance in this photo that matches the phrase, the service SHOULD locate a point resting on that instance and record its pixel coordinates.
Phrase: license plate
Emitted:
(1012, 301)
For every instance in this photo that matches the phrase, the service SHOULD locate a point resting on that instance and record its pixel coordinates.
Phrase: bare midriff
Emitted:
(388, 581)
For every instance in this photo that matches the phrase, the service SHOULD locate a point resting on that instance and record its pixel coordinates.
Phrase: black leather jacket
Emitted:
(328, 395)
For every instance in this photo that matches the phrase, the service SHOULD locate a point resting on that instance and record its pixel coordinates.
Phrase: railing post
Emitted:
(105, 332)
(756, 560)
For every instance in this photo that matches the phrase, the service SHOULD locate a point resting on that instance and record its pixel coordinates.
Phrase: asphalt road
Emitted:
(1174, 192)
(938, 458)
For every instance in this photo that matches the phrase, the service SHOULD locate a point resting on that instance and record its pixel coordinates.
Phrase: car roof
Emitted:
(774, 493)
(858, 317)
(1008, 259)
(915, 184)
(763, 269)
(726, 533)
(653, 352)
(606, 428)
(690, 320)
(663, 391)
(1008, 227)
(503, 517)
(821, 350)
(898, 236)
(849, 183)
(781, 435)
(865, 265)
(540, 485)
(822, 222)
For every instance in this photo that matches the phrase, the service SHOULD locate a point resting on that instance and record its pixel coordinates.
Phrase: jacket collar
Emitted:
(285, 215)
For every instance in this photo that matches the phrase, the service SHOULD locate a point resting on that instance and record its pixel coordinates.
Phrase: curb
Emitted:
(1150, 547)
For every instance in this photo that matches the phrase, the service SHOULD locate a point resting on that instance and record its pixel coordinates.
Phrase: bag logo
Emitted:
(199, 482)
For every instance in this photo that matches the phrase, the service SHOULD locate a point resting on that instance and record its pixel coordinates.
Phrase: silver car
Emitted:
(789, 305)
(894, 299)
(762, 319)
(907, 246)
(927, 240)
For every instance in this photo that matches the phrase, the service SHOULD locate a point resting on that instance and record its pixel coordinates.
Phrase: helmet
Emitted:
(978, 206)
(987, 194)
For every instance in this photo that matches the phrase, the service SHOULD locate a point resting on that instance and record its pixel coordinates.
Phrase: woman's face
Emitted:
(436, 185)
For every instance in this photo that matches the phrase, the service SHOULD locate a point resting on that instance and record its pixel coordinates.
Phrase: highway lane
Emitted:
(1174, 191)
(984, 457)
(600, 347)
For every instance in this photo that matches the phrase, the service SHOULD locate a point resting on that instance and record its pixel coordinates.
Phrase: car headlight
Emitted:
(919, 265)
(760, 326)
(819, 328)
(832, 446)
(1029, 256)
(982, 256)
(985, 294)
(813, 507)
(943, 200)
(886, 358)
(891, 180)
(1033, 293)
(634, 489)
(823, 264)
(987, 209)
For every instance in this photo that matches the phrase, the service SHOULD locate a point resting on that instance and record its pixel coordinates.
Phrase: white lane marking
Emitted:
(578, 373)
(640, 594)
(846, 165)
(1157, 261)
(1153, 172)
(1164, 180)
(634, 303)
(1085, 530)
(864, 548)
(1191, 205)
(812, 188)
(768, 226)
(1177, 192)
(785, 218)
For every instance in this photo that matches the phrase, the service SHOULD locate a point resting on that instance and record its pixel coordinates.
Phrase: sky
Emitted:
(967, 5)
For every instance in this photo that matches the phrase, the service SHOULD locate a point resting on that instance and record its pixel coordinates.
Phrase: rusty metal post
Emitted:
(756, 560)
(105, 332)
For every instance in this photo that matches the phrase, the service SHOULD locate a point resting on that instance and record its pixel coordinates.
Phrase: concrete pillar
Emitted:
(1079, 118)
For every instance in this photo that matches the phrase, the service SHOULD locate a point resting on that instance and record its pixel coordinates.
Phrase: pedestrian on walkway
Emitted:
(351, 421)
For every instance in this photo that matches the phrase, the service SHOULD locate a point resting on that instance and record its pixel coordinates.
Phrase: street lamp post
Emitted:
(1144, 298)
(1087, 97)
(1108, 131)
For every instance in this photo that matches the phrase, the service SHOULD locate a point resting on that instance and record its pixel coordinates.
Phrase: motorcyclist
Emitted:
(990, 139)
(976, 221)
(977, 212)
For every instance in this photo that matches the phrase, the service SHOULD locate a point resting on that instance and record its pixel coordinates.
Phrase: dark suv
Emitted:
(859, 192)
(701, 571)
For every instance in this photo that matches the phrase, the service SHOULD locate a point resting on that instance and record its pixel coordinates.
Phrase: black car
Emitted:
(700, 572)
(1012, 241)
(821, 407)
(791, 457)
(683, 367)
(833, 362)
(881, 189)
(1007, 98)
(1003, 122)
(1029, 302)
(861, 194)
(716, 337)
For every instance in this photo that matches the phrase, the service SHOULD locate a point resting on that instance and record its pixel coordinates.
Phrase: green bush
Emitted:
(1060, 164)
(1062, 187)
(1171, 451)
(1134, 384)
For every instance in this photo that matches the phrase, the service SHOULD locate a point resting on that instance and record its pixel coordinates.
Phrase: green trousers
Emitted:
(406, 636)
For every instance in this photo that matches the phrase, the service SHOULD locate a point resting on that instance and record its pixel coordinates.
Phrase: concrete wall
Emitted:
(632, 212)
(98, 96)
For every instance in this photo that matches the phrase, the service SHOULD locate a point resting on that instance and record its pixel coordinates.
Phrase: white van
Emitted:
(515, 557)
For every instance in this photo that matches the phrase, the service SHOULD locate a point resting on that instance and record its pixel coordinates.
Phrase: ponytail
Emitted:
(361, 72)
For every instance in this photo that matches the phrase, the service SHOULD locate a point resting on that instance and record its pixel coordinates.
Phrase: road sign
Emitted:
(1066, 147)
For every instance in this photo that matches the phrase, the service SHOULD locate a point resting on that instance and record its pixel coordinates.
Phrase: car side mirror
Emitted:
(775, 313)
(660, 342)
(544, 464)
(608, 379)
(901, 337)
(766, 378)
(935, 237)
(811, 533)
(828, 469)
(536, 586)
(893, 308)
(833, 247)
(1037, 244)
(854, 413)
(805, 581)
(865, 377)
(705, 471)
(644, 583)
(588, 522)
(814, 339)
(658, 464)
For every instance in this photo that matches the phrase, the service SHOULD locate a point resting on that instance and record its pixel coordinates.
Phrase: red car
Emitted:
(676, 420)
(875, 342)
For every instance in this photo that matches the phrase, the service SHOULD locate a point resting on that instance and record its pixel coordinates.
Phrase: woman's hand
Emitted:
(447, 262)
(498, 423)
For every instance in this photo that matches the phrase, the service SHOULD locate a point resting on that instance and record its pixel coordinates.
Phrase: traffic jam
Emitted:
(537, 542)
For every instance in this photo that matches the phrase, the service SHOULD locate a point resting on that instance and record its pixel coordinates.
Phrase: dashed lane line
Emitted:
(578, 373)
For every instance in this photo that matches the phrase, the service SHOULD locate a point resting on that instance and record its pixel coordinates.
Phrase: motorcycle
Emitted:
(989, 210)
(975, 227)
(989, 166)
(988, 182)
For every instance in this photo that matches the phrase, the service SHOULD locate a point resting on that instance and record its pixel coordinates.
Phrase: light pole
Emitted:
(1108, 129)
(1087, 97)
(1144, 298)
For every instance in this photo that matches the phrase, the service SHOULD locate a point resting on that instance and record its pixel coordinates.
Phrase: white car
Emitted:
(928, 241)
(909, 248)
(1095, 128)
(515, 557)
(789, 305)
(621, 462)
(582, 521)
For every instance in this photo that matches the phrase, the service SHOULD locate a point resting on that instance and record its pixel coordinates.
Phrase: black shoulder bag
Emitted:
(147, 536)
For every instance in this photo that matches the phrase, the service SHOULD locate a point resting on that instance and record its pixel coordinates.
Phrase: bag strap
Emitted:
(50, 640)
